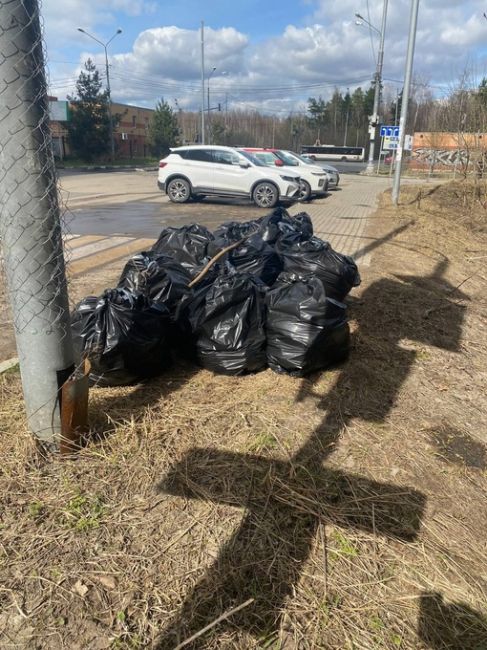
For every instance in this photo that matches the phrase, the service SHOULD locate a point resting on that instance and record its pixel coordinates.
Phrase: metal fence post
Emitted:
(30, 229)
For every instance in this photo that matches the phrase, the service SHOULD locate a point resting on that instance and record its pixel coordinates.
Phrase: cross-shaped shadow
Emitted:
(450, 626)
(287, 500)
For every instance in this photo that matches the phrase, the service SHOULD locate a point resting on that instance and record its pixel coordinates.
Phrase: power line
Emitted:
(243, 87)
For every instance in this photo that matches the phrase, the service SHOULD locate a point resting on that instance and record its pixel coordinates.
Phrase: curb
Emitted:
(109, 168)
(8, 365)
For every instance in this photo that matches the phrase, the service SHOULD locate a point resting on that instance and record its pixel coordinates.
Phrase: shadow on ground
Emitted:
(455, 626)
(287, 502)
(112, 406)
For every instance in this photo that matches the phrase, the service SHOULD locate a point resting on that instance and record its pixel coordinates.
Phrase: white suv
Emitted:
(198, 171)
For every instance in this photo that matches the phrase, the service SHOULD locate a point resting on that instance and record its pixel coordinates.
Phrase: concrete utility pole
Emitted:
(208, 118)
(30, 229)
(107, 68)
(374, 118)
(202, 82)
(347, 118)
(405, 99)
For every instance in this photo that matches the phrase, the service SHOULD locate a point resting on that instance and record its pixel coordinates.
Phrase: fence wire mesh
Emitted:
(30, 228)
(31, 231)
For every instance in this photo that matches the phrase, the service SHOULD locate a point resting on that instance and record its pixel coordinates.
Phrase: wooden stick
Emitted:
(213, 623)
(214, 259)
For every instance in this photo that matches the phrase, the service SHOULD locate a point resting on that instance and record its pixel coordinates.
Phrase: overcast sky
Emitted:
(268, 54)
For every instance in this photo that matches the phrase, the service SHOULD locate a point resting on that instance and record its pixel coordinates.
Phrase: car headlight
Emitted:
(290, 179)
(318, 174)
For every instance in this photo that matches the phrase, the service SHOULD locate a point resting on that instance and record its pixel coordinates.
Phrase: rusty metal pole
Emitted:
(30, 228)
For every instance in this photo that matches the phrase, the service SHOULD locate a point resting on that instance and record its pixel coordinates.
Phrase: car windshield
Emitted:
(253, 159)
(302, 158)
(288, 158)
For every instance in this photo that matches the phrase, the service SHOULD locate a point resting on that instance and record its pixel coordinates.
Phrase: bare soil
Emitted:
(343, 511)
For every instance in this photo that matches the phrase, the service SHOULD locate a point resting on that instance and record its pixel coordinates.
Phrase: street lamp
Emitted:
(374, 118)
(361, 20)
(105, 45)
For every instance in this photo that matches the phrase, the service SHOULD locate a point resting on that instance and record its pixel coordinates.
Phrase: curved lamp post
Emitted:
(105, 46)
(374, 119)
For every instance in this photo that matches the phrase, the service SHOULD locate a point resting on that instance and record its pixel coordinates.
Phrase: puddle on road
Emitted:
(143, 219)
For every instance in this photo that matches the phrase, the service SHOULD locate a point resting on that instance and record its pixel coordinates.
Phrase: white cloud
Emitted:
(327, 49)
(61, 21)
(174, 53)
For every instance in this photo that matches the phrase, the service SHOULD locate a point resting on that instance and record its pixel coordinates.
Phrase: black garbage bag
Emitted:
(231, 231)
(338, 272)
(188, 314)
(230, 327)
(157, 276)
(254, 256)
(280, 223)
(123, 334)
(187, 245)
(306, 331)
(257, 257)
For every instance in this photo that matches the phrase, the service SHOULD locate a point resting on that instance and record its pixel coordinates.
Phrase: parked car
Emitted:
(332, 172)
(194, 172)
(314, 181)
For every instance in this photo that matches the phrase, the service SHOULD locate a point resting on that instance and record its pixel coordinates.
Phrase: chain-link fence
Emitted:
(30, 229)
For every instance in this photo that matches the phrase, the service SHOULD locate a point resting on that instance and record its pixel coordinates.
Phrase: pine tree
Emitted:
(163, 129)
(89, 129)
(318, 120)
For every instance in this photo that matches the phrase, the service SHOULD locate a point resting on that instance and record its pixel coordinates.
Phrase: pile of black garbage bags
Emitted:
(275, 300)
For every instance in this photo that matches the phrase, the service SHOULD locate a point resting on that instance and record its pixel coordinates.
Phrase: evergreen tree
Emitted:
(346, 111)
(395, 108)
(482, 92)
(163, 129)
(318, 110)
(218, 132)
(89, 129)
(335, 110)
(369, 100)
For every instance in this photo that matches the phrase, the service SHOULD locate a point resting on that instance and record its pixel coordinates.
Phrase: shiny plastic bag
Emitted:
(280, 223)
(229, 327)
(231, 231)
(124, 335)
(254, 256)
(187, 245)
(314, 256)
(306, 331)
(157, 276)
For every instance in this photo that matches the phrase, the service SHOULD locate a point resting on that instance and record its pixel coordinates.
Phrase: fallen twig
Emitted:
(214, 259)
(213, 623)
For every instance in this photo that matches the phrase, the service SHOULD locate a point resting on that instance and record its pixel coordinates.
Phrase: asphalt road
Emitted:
(130, 204)
(345, 167)
(146, 219)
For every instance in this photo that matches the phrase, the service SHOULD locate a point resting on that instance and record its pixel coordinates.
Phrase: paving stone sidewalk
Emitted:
(341, 218)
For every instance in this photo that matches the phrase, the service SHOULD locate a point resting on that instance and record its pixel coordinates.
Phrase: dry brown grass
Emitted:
(346, 510)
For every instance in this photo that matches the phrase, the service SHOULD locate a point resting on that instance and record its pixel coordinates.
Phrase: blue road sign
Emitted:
(388, 131)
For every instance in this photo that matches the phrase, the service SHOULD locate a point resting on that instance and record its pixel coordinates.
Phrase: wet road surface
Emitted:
(146, 219)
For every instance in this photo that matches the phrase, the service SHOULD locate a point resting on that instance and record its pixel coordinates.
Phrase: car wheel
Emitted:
(304, 191)
(343, 158)
(265, 195)
(178, 190)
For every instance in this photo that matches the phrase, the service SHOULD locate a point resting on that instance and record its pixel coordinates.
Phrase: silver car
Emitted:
(332, 172)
